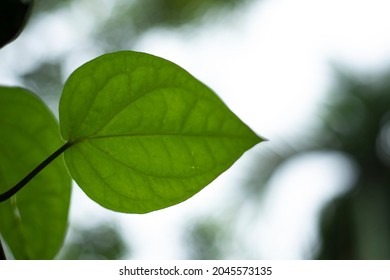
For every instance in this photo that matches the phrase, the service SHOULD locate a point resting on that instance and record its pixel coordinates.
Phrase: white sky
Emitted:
(270, 65)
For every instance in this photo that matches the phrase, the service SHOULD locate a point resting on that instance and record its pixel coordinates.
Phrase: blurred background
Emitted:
(313, 77)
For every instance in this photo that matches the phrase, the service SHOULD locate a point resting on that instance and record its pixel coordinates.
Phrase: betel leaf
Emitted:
(144, 133)
(33, 222)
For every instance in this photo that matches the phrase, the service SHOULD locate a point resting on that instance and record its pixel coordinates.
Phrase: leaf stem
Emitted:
(33, 173)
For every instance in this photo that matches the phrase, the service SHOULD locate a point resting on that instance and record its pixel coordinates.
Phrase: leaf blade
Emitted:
(28, 134)
(153, 135)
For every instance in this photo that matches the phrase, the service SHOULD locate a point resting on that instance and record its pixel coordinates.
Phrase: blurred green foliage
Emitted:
(357, 225)
(101, 241)
(355, 123)
(120, 28)
(45, 79)
(206, 239)
(130, 19)
(174, 13)
(44, 6)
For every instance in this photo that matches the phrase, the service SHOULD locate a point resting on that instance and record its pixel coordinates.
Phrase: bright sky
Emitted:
(270, 65)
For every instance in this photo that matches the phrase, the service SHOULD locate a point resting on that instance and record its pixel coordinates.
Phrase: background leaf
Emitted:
(145, 133)
(33, 222)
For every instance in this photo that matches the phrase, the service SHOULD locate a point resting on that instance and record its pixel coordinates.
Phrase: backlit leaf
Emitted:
(33, 222)
(146, 134)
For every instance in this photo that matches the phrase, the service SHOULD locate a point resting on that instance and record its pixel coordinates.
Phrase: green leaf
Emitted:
(146, 134)
(33, 222)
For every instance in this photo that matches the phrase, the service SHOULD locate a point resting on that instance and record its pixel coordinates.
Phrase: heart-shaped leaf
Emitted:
(33, 222)
(144, 133)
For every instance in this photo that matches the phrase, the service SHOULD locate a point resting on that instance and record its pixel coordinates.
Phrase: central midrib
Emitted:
(156, 134)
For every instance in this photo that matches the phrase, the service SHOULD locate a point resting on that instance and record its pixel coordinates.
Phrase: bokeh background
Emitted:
(310, 76)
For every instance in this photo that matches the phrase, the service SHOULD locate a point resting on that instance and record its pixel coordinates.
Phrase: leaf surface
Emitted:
(146, 134)
(33, 222)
